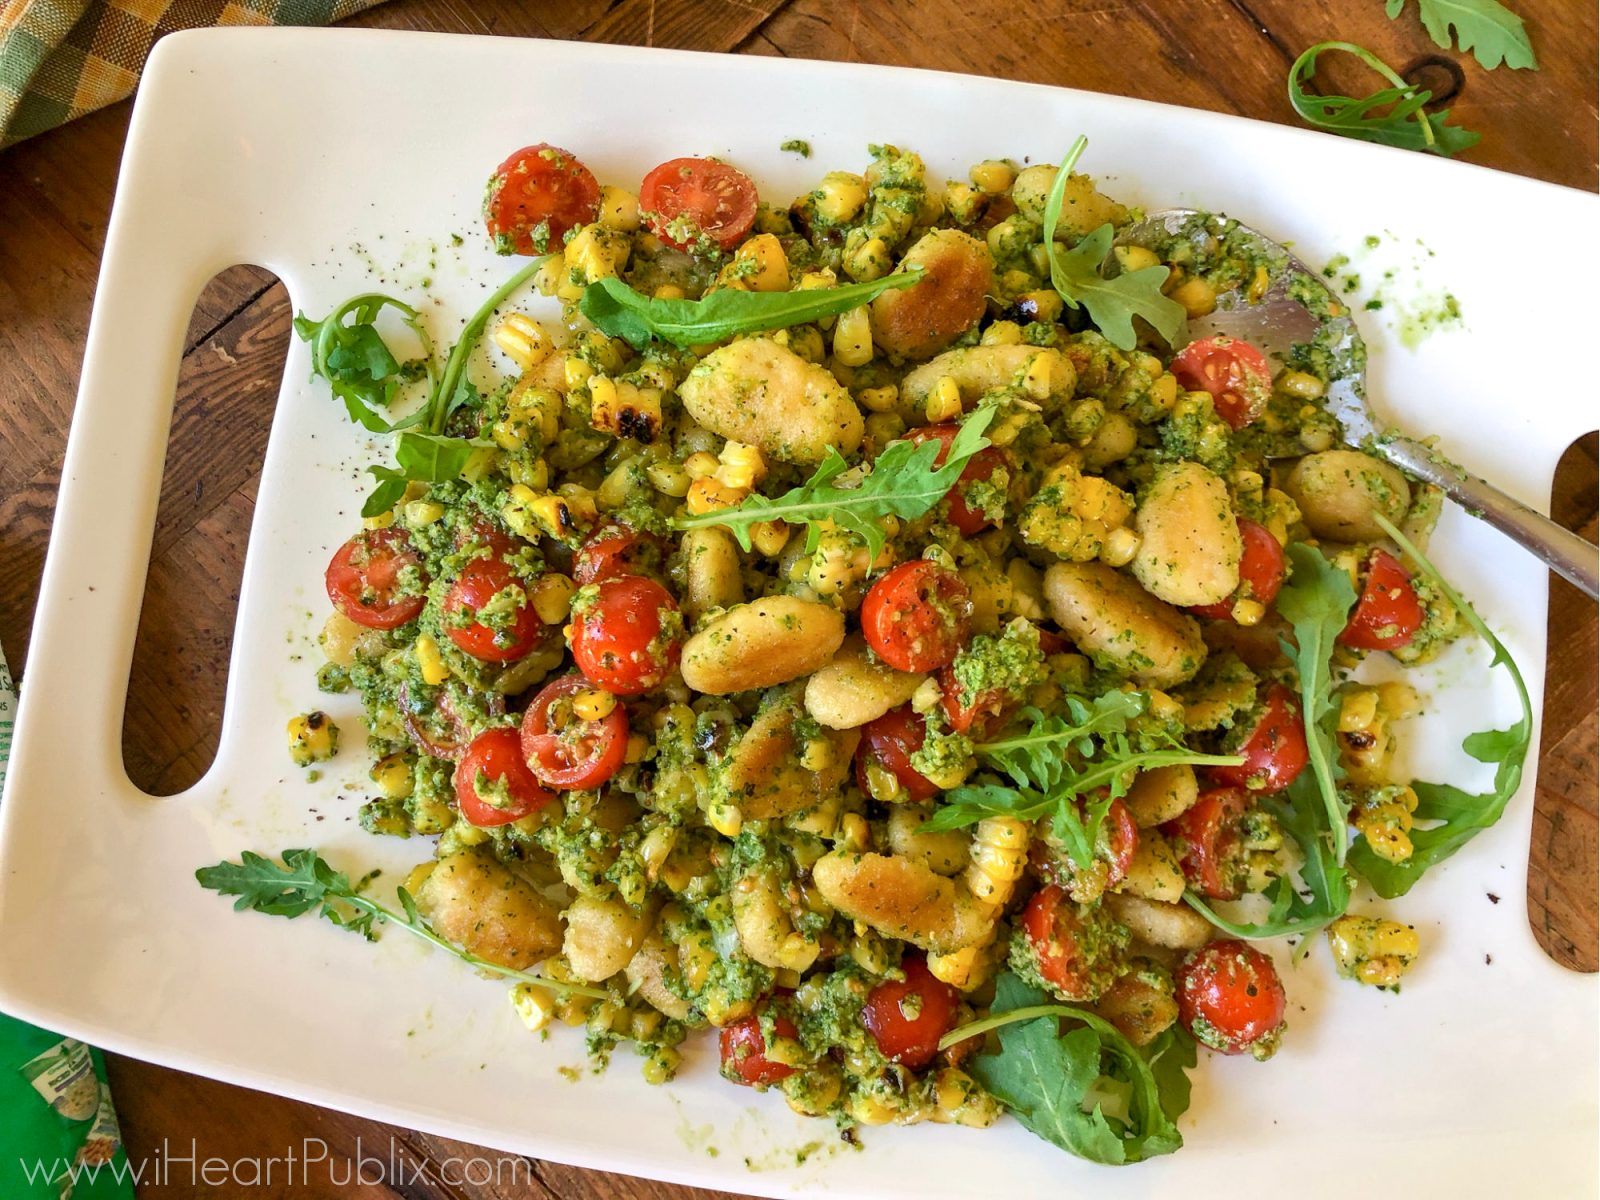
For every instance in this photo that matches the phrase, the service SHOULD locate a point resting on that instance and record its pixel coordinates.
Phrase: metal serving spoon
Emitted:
(1281, 318)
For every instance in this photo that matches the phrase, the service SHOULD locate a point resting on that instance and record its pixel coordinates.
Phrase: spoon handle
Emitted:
(1563, 551)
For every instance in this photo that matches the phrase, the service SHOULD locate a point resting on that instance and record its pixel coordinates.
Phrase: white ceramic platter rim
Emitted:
(1483, 1065)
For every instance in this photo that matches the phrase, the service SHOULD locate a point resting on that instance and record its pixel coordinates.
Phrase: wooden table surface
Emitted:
(55, 196)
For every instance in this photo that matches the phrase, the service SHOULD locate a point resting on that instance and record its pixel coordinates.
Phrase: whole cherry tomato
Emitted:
(685, 199)
(1388, 613)
(535, 197)
(627, 638)
(509, 790)
(487, 613)
(1274, 750)
(918, 616)
(889, 742)
(364, 579)
(1231, 999)
(563, 750)
(908, 1017)
(1053, 929)
(1235, 373)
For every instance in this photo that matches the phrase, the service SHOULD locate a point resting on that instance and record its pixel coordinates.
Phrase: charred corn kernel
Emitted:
(549, 275)
(1120, 546)
(313, 737)
(655, 847)
(382, 521)
(429, 661)
(796, 953)
(1002, 333)
(879, 399)
(523, 339)
(943, 402)
(840, 196)
(1135, 258)
(854, 832)
(534, 1004)
(998, 852)
(761, 264)
(422, 512)
(1372, 950)
(1164, 707)
(818, 755)
(852, 338)
(670, 479)
(1301, 385)
(992, 176)
(393, 775)
(619, 209)
(707, 495)
(868, 261)
(769, 538)
(740, 466)
(1383, 816)
(700, 464)
(1247, 612)
(668, 291)
(1045, 302)
(593, 705)
(725, 819)
(576, 372)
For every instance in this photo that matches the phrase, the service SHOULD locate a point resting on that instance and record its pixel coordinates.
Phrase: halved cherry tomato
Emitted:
(1116, 844)
(624, 639)
(986, 711)
(565, 751)
(889, 742)
(1208, 834)
(486, 540)
(918, 616)
(363, 580)
(1274, 750)
(500, 625)
(1235, 373)
(686, 198)
(1231, 999)
(1052, 924)
(617, 550)
(535, 197)
(1388, 614)
(744, 1051)
(497, 756)
(1261, 570)
(980, 468)
(907, 1017)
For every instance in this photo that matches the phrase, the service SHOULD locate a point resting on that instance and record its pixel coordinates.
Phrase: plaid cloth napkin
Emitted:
(60, 59)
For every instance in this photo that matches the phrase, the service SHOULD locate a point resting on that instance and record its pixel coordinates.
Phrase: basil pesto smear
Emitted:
(851, 634)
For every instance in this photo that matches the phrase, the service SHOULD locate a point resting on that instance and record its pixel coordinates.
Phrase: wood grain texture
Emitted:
(55, 194)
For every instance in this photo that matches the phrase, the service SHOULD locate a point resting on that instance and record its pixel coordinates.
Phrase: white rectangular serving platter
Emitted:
(1480, 1078)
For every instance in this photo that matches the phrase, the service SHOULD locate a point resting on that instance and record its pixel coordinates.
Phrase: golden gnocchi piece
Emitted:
(1338, 491)
(473, 900)
(762, 643)
(921, 320)
(1189, 544)
(1121, 626)
(760, 393)
(903, 899)
(857, 687)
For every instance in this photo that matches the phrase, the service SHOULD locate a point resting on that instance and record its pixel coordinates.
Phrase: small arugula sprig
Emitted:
(903, 482)
(1391, 116)
(620, 311)
(1461, 815)
(1088, 1090)
(1111, 303)
(305, 881)
(348, 351)
(1488, 28)
(1059, 764)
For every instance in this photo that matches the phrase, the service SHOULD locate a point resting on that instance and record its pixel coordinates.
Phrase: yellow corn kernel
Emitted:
(550, 275)
(429, 661)
(952, 776)
(700, 464)
(854, 832)
(668, 478)
(638, 746)
(796, 953)
(1135, 258)
(840, 196)
(551, 598)
(741, 466)
(1164, 707)
(1002, 333)
(619, 209)
(668, 291)
(998, 852)
(707, 495)
(624, 410)
(1248, 612)
(769, 538)
(1046, 303)
(879, 399)
(1260, 282)
(1384, 818)
(868, 261)
(1037, 379)
(655, 847)
(597, 252)
(593, 705)
(313, 737)
(818, 755)
(534, 1004)
(517, 512)
(576, 372)
(523, 339)
(1301, 385)
(812, 280)
(868, 950)
(992, 176)
(955, 968)
(382, 521)
(510, 434)
(422, 512)
(393, 775)
(1120, 546)
(943, 402)
(761, 265)
(852, 338)
(1399, 700)
(1372, 950)
(1358, 710)
(725, 819)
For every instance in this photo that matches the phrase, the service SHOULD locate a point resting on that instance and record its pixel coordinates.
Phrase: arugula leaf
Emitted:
(1491, 31)
(422, 457)
(1112, 303)
(1391, 116)
(306, 881)
(1461, 816)
(618, 310)
(348, 351)
(903, 483)
(1317, 600)
(1048, 783)
(1056, 1083)
(453, 389)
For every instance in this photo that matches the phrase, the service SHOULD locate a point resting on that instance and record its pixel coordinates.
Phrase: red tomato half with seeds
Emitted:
(508, 792)
(1388, 613)
(918, 616)
(1235, 373)
(1053, 927)
(627, 639)
(1231, 999)
(564, 750)
(364, 583)
(1209, 835)
(685, 199)
(487, 613)
(744, 1052)
(617, 550)
(535, 197)
(980, 468)
(907, 1017)
(1274, 750)
(983, 713)
(1261, 570)
(889, 742)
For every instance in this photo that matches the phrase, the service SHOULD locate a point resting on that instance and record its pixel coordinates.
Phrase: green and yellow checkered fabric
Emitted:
(60, 59)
